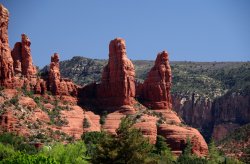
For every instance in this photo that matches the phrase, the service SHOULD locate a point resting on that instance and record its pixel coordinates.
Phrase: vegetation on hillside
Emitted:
(128, 146)
(209, 79)
(238, 142)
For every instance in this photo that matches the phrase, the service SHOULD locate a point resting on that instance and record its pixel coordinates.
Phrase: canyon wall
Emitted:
(213, 117)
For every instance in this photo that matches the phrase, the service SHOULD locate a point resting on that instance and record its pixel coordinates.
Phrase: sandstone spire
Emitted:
(28, 68)
(118, 77)
(58, 85)
(54, 74)
(16, 54)
(156, 88)
(22, 58)
(6, 62)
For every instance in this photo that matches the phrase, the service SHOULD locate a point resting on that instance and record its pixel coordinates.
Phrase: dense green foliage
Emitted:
(15, 149)
(29, 159)
(73, 153)
(18, 143)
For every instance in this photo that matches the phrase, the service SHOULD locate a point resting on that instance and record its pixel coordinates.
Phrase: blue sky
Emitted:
(191, 30)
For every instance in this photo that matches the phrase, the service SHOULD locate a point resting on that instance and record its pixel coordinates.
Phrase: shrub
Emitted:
(14, 100)
(103, 117)
(37, 100)
(86, 123)
(18, 143)
(6, 151)
(31, 159)
(73, 153)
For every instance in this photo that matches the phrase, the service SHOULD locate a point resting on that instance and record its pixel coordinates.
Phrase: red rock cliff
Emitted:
(117, 86)
(6, 62)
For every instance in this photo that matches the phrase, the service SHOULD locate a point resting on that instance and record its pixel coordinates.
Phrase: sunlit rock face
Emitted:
(117, 86)
(58, 85)
(155, 91)
(6, 62)
(22, 58)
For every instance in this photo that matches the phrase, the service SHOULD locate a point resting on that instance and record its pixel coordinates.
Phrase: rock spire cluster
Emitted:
(116, 91)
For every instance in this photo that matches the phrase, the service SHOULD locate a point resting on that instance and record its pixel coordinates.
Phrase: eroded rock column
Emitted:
(117, 86)
(6, 62)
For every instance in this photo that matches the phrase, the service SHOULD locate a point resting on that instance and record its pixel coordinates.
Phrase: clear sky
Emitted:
(192, 30)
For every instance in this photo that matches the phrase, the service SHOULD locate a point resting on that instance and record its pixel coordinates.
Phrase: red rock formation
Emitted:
(148, 127)
(155, 93)
(27, 66)
(94, 122)
(176, 137)
(8, 122)
(117, 86)
(156, 88)
(22, 58)
(17, 58)
(75, 122)
(57, 85)
(54, 75)
(6, 62)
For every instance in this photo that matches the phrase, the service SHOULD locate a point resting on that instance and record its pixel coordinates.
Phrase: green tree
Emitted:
(188, 158)
(29, 159)
(128, 146)
(6, 151)
(86, 123)
(71, 153)
(91, 139)
(214, 155)
(188, 148)
(18, 143)
(162, 149)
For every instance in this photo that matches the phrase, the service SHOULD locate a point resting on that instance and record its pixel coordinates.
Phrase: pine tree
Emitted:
(214, 156)
(128, 146)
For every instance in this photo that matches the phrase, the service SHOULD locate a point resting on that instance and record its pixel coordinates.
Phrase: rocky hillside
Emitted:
(237, 143)
(210, 96)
